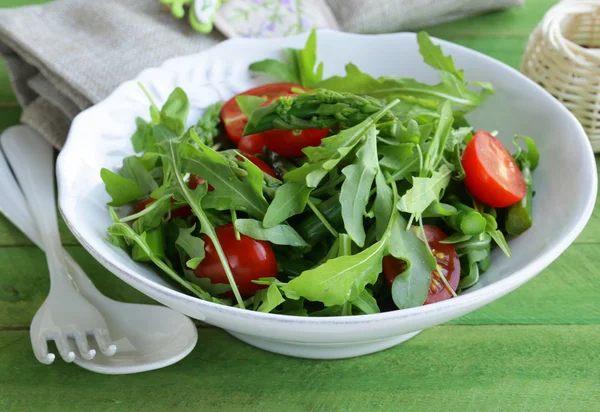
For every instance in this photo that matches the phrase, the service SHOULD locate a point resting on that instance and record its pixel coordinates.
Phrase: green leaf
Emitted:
(354, 194)
(531, 156)
(175, 111)
(214, 289)
(366, 303)
(279, 235)
(281, 71)
(121, 190)
(299, 68)
(324, 158)
(341, 279)
(383, 205)
(425, 190)
(230, 191)
(437, 145)
(154, 240)
(123, 230)
(307, 60)
(290, 200)
(269, 299)
(142, 138)
(249, 103)
(410, 288)
(410, 91)
(192, 245)
(434, 56)
(133, 169)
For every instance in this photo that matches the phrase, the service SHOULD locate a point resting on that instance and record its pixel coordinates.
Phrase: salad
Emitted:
(323, 197)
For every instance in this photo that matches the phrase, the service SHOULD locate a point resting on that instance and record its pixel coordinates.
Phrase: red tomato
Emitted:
(446, 257)
(249, 260)
(290, 143)
(253, 144)
(233, 118)
(262, 165)
(492, 175)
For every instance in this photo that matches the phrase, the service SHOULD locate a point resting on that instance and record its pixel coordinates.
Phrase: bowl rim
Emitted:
(486, 293)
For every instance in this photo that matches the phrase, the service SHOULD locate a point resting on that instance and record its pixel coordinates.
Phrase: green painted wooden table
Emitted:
(533, 350)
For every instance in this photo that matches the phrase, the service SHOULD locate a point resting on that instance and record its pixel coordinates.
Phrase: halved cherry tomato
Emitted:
(446, 257)
(253, 144)
(233, 118)
(248, 258)
(290, 143)
(492, 175)
(260, 163)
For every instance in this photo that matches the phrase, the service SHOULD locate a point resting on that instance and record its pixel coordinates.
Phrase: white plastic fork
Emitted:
(65, 314)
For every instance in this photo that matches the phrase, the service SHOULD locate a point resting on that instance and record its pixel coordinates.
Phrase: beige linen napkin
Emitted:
(66, 55)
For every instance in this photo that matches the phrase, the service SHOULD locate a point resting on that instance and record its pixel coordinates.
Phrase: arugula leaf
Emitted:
(425, 190)
(265, 300)
(279, 235)
(434, 56)
(195, 198)
(230, 191)
(154, 241)
(300, 65)
(121, 190)
(354, 194)
(192, 245)
(435, 152)
(341, 279)
(175, 111)
(366, 303)
(248, 103)
(290, 200)
(531, 156)
(383, 205)
(119, 229)
(412, 92)
(324, 158)
(134, 169)
(410, 288)
(142, 138)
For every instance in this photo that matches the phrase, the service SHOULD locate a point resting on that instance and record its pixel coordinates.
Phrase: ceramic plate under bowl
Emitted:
(565, 182)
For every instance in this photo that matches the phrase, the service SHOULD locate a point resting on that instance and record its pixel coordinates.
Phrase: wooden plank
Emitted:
(9, 116)
(450, 368)
(565, 293)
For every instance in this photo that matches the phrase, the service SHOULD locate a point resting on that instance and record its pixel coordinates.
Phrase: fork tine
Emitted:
(82, 345)
(64, 348)
(40, 350)
(102, 339)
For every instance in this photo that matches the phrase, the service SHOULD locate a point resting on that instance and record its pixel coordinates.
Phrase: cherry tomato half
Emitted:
(446, 257)
(233, 118)
(290, 143)
(248, 258)
(492, 175)
(262, 165)
(253, 144)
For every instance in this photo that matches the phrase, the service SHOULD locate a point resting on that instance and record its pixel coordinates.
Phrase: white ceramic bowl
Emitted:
(565, 182)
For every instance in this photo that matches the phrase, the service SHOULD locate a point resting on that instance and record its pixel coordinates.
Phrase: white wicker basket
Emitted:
(563, 56)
